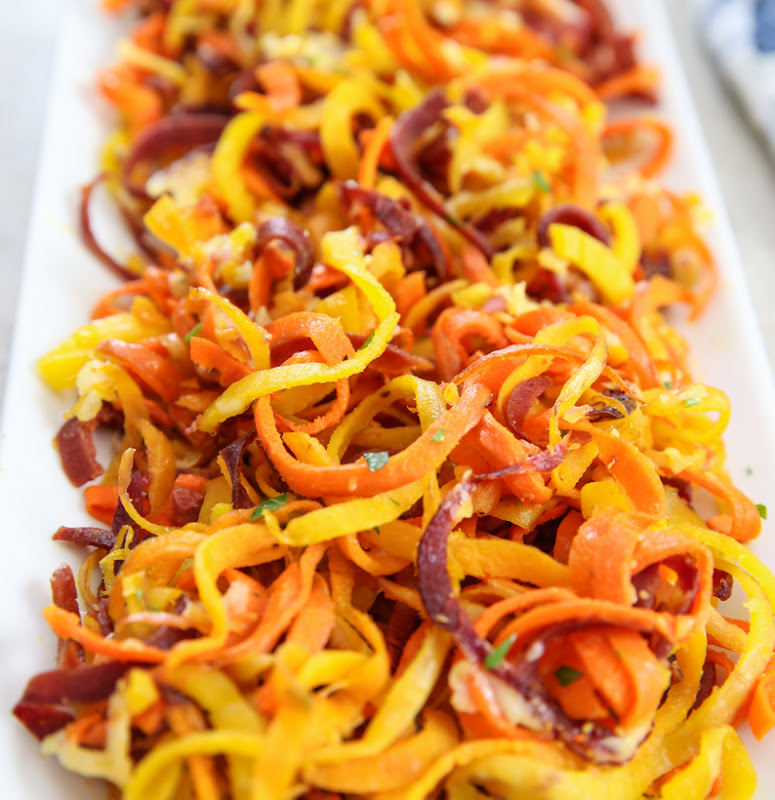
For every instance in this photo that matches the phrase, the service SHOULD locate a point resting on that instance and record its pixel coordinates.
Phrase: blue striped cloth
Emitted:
(740, 35)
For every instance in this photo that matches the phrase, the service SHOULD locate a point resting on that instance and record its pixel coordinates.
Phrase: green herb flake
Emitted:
(567, 675)
(438, 436)
(376, 529)
(453, 221)
(367, 342)
(395, 502)
(540, 181)
(495, 657)
(762, 509)
(667, 384)
(692, 401)
(193, 332)
(749, 471)
(270, 504)
(376, 460)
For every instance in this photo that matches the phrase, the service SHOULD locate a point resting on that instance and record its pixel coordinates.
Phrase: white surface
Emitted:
(743, 165)
(61, 282)
(27, 32)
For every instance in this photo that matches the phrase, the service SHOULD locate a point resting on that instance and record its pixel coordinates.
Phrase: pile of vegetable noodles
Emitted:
(407, 452)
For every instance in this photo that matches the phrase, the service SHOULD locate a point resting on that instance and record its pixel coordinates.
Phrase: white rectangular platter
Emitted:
(61, 281)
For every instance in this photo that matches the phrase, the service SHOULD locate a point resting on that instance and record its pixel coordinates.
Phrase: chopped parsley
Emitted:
(376, 460)
(270, 504)
(567, 675)
(453, 221)
(193, 332)
(762, 509)
(692, 401)
(438, 436)
(495, 657)
(395, 502)
(367, 342)
(540, 181)
(667, 384)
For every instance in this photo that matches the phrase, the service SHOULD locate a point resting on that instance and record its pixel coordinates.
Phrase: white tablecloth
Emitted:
(27, 35)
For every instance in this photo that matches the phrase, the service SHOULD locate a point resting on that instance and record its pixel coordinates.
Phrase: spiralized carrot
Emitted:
(656, 128)
(401, 501)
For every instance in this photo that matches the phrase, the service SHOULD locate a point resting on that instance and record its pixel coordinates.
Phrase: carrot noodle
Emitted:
(401, 504)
